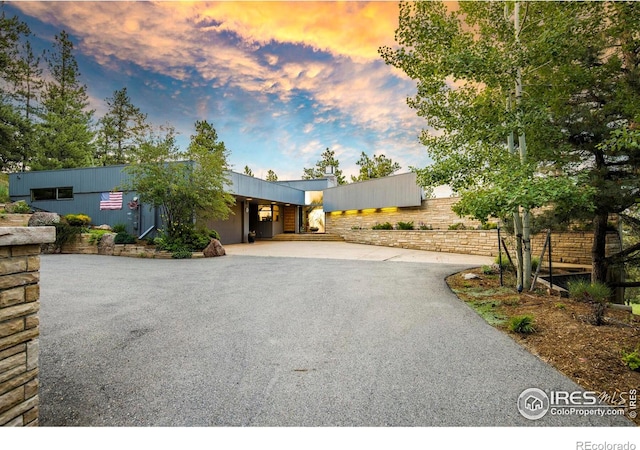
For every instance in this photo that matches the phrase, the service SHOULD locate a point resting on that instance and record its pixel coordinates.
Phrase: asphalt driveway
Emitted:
(275, 341)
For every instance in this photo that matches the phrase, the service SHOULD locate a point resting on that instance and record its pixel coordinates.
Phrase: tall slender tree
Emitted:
(13, 126)
(120, 130)
(271, 176)
(65, 134)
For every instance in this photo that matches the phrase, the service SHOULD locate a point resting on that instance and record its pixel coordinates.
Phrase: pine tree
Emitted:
(319, 171)
(121, 130)
(65, 134)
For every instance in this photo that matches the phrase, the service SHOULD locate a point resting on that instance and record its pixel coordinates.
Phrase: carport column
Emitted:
(19, 322)
(245, 221)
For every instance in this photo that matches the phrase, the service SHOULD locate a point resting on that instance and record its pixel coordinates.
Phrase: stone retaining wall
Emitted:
(572, 248)
(19, 323)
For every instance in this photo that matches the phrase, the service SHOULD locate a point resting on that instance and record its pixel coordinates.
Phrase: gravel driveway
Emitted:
(274, 341)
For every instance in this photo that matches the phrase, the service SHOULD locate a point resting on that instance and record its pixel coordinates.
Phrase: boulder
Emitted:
(103, 227)
(43, 219)
(214, 248)
(471, 276)
(106, 244)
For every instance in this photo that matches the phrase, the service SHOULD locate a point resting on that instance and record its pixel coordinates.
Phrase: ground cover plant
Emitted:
(560, 331)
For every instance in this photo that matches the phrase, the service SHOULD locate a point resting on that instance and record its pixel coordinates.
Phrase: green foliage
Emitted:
(119, 228)
(522, 324)
(596, 294)
(586, 291)
(121, 128)
(489, 226)
(96, 235)
(78, 220)
(382, 226)
(191, 239)
(181, 253)
(4, 188)
(319, 171)
(271, 176)
(560, 306)
(183, 189)
(424, 226)
(378, 167)
(405, 225)
(487, 270)
(65, 133)
(65, 234)
(20, 207)
(124, 238)
(566, 139)
(632, 359)
(506, 265)
(457, 226)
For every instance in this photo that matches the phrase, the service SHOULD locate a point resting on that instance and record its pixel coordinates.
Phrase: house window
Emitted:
(269, 213)
(61, 193)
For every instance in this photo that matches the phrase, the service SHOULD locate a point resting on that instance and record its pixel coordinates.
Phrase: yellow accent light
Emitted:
(389, 210)
(369, 211)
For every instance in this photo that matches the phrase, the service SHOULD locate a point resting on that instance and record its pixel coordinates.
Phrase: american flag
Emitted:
(111, 200)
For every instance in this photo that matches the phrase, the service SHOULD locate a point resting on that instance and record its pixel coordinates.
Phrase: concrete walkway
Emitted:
(344, 250)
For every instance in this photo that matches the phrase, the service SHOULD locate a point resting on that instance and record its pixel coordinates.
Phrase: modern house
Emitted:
(266, 208)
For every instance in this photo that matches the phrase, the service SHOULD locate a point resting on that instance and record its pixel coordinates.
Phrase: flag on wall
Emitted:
(111, 200)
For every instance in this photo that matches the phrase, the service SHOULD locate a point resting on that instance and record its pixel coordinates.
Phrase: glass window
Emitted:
(264, 213)
(63, 193)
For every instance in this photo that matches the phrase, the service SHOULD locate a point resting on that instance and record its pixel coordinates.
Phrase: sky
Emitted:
(279, 81)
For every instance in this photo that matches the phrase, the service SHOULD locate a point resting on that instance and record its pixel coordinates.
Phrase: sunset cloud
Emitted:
(297, 76)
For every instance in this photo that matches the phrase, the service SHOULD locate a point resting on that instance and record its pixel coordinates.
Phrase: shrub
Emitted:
(4, 194)
(405, 225)
(124, 238)
(65, 233)
(489, 226)
(96, 235)
(119, 228)
(19, 207)
(382, 226)
(487, 270)
(632, 359)
(424, 226)
(597, 294)
(535, 262)
(506, 265)
(182, 253)
(457, 226)
(522, 324)
(78, 220)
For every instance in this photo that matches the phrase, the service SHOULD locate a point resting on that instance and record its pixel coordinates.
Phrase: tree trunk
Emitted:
(517, 228)
(599, 263)
(526, 250)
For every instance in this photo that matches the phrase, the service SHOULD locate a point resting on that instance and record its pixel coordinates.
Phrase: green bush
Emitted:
(405, 225)
(65, 234)
(632, 359)
(506, 265)
(96, 235)
(124, 238)
(585, 291)
(457, 226)
(119, 228)
(382, 226)
(78, 220)
(489, 226)
(596, 294)
(487, 270)
(20, 207)
(183, 253)
(522, 324)
(425, 227)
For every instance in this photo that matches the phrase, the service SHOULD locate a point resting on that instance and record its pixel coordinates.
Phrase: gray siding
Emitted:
(397, 190)
(251, 187)
(319, 184)
(230, 230)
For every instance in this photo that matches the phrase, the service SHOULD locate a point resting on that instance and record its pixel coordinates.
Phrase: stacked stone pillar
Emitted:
(19, 322)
